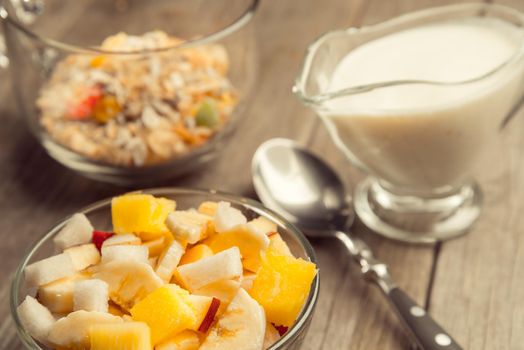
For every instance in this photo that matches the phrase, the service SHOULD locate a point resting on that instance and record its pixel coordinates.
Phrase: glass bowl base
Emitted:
(417, 220)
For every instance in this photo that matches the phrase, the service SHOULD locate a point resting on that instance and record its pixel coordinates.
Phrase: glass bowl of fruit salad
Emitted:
(167, 269)
(136, 91)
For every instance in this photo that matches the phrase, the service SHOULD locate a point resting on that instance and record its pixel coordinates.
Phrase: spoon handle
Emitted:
(427, 332)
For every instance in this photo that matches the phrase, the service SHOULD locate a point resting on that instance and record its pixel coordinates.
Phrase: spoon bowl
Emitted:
(294, 182)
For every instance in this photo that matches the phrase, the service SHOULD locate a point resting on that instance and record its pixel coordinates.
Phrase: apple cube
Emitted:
(155, 246)
(83, 256)
(224, 290)
(125, 252)
(49, 270)
(187, 226)
(167, 311)
(36, 319)
(91, 295)
(282, 286)
(127, 335)
(227, 217)
(263, 225)
(135, 212)
(271, 337)
(224, 265)
(57, 296)
(77, 230)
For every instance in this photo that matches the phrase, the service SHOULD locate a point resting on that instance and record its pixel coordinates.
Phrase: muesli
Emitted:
(137, 109)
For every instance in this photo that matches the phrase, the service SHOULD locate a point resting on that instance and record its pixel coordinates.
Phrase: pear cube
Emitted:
(78, 230)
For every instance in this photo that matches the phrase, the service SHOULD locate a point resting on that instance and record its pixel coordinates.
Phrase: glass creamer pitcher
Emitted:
(418, 136)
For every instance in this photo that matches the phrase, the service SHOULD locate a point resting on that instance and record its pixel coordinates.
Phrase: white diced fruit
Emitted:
(84, 255)
(77, 230)
(224, 265)
(36, 318)
(227, 217)
(125, 252)
(187, 226)
(48, 270)
(122, 239)
(57, 296)
(169, 260)
(91, 295)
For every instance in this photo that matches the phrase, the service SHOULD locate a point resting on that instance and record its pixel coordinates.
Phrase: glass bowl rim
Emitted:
(238, 23)
(255, 206)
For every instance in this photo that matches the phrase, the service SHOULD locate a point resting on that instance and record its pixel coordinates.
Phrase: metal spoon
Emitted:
(301, 187)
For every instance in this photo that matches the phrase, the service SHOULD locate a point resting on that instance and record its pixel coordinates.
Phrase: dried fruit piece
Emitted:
(208, 114)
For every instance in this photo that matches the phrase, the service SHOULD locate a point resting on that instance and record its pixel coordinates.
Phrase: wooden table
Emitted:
(474, 285)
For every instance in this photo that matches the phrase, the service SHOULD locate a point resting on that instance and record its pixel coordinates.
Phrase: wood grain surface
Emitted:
(474, 285)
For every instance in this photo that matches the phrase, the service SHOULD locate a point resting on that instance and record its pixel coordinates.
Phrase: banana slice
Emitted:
(83, 256)
(187, 226)
(241, 327)
(227, 217)
(72, 331)
(169, 260)
(129, 281)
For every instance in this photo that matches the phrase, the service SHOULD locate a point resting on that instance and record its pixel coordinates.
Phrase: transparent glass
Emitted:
(420, 160)
(99, 214)
(41, 34)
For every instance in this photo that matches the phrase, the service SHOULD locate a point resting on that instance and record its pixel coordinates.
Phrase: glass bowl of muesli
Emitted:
(132, 91)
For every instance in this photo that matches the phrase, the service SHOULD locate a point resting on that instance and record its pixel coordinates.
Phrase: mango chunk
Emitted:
(167, 311)
(282, 286)
(195, 253)
(126, 335)
(135, 213)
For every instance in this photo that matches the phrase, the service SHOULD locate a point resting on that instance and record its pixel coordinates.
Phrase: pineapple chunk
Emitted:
(250, 242)
(127, 335)
(208, 208)
(195, 253)
(83, 256)
(188, 226)
(167, 311)
(57, 296)
(186, 340)
(281, 287)
(134, 213)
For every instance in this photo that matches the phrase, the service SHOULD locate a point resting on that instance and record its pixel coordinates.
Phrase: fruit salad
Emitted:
(138, 109)
(166, 279)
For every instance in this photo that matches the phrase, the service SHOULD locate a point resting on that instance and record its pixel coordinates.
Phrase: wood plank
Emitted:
(486, 267)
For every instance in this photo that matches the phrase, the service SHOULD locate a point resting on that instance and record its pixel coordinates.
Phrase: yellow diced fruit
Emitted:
(208, 208)
(282, 286)
(120, 336)
(278, 245)
(156, 246)
(167, 311)
(188, 226)
(186, 340)
(264, 225)
(250, 242)
(148, 237)
(136, 213)
(196, 253)
(57, 296)
(115, 310)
